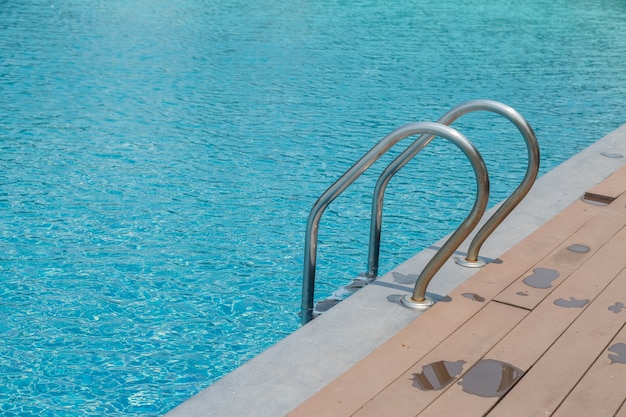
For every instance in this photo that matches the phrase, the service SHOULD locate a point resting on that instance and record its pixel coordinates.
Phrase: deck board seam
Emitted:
(511, 304)
(621, 407)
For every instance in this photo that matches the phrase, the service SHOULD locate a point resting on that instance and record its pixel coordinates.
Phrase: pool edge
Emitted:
(289, 372)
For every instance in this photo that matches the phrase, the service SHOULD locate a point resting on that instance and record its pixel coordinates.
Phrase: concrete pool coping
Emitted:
(289, 372)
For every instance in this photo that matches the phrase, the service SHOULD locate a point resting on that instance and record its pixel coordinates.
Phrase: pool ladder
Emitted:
(427, 131)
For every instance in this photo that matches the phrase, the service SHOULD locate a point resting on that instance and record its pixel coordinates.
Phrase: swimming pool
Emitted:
(159, 160)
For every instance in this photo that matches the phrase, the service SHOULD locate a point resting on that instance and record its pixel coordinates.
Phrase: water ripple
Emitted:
(159, 160)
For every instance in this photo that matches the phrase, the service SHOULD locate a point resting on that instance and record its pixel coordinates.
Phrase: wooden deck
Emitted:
(541, 333)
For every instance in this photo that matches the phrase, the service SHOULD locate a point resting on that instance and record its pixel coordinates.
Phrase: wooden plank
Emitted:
(544, 277)
(609, 189)
(534, 335)
(410, 392)
(602, 390)
(550, 380)
(348, 392)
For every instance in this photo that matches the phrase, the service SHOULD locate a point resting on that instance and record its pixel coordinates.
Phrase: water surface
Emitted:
(158, 160)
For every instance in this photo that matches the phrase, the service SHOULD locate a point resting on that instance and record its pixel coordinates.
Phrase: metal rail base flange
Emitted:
(478, 263)
(409, 302)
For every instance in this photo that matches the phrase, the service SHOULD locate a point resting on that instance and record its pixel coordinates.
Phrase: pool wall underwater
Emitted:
(282, 377)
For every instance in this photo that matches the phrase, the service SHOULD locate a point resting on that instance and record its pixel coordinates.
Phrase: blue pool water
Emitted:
(159, 159)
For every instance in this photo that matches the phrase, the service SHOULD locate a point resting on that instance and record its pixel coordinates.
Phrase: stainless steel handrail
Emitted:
(421, 128)
(471, 260)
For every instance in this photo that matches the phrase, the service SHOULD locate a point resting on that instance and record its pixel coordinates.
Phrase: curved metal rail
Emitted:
(494, 221)
(422, 128)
